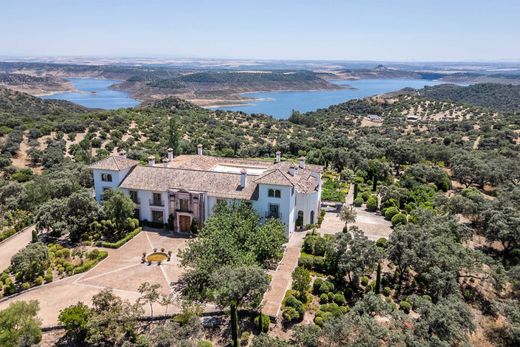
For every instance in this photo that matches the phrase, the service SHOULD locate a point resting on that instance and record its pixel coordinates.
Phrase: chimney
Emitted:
(243, 178)
(170, 154)
(302, 162)
(278, 156)
(199, 149)
(292, 170)
(151, 160)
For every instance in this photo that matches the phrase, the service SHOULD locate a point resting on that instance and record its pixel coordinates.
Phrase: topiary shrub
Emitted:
(382, 243)
(26, 286)
(291, 302)
(405, 306)
(265, 322)
(316, 285)
(387, 291)
(339, 299)
(372, 203)
(390, 212)
(244, 338)
(38, 281)
(399, 218)
(364, 280)
(326, 287)
(204, 343)
(290, 314)
(318, 320)
(331, 296)
(324, 298)
(359, 202)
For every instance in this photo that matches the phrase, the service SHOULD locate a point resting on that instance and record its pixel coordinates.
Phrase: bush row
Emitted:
(121, 242)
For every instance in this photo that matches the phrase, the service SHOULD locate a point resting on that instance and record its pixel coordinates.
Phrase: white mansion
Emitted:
(187, 187)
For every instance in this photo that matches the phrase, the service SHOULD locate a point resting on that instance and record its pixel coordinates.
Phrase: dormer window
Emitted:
(274, 193)
(106, 177)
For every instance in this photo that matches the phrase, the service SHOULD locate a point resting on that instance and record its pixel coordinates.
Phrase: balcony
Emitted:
(273, 215)
(156, 202)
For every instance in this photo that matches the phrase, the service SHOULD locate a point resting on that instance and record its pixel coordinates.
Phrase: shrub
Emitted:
(26, 286)
(382, 242)
(399, 218)
(89, 264)
(390, 212)
(340, 299)
(318, 321)
(290, 314)
(331, 296)
(326, 287)
(387, 291)
(359, 202)
(364, 280)
(38, 281)
(265, 322)
(405, 306)
(372, 203)
(75, 319)
(48, 276)
(121, 242)
(301, 278)
(316, 285)
(93, 254)
(204, 343)
(244, 338)
(324, 298)
(291, 302)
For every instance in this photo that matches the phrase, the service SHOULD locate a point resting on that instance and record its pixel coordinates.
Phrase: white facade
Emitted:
(195, 204)
(107, 179)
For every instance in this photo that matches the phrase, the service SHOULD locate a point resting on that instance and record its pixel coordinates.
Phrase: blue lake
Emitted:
(95, 93)
(281, 104)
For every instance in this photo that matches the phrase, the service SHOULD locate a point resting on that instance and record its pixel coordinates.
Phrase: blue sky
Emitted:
(391, 30)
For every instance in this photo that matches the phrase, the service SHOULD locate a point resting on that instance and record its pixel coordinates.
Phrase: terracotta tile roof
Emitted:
(222, 185)
(114, 163)
(200, 173)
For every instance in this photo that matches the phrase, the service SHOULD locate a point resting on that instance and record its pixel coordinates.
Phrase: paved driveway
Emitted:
(121, 270)
(11, 246)
(373, 224)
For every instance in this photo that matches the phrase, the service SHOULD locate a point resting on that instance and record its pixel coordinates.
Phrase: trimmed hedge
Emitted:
(121, 242)
(4, 235)
(89, 264)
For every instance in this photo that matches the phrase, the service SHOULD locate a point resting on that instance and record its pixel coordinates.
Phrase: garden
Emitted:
(40, 263)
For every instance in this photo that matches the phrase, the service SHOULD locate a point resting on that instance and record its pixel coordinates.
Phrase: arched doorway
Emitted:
(299, 219)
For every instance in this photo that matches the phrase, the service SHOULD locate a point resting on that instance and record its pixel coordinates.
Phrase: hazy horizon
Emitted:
(379, 31)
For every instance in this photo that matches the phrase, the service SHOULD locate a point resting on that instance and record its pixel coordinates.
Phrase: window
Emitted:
(134, 196)
(156, 200)
(274, 211)
(157, 217)
(274, 193)
(137, 214)
(184, 205)
(106, 177)
(312, 217)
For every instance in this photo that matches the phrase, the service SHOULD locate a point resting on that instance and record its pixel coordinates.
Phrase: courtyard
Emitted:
(122, 271)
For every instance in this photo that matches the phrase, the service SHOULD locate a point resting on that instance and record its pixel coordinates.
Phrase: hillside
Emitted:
(502, 97)
(22, 104)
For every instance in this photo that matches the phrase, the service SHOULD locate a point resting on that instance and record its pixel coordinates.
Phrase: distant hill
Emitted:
(17, 103)
(501, 97)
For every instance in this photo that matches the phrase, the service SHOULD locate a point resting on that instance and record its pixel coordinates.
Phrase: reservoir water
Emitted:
(95, 93)
(281, 104)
